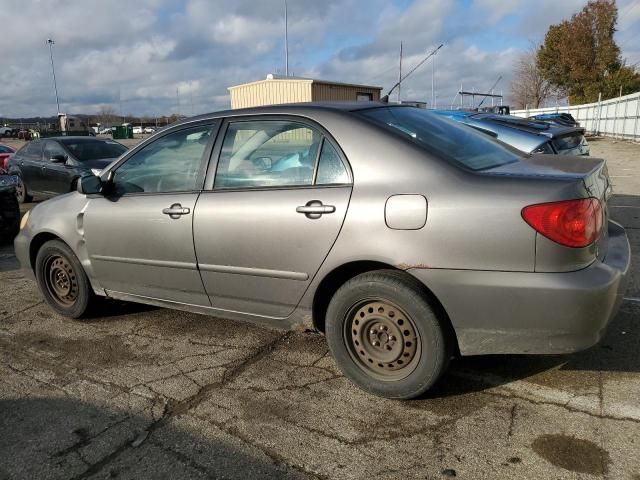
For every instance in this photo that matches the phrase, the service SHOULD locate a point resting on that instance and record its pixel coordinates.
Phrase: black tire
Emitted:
(378, 307)
(21, 192)
(59, 271)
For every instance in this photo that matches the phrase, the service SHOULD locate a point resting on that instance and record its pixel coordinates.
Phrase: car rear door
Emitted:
(265, 224)
(139, 237)
(30, 163)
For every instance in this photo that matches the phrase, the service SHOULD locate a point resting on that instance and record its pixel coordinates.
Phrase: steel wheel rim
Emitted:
(20, 189)
(61, 281)
(382, 339)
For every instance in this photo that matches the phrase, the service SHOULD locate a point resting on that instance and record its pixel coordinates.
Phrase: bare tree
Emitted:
(528, 86)
(106, 115)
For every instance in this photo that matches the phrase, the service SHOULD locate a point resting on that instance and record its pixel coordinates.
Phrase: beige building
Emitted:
(277, 89)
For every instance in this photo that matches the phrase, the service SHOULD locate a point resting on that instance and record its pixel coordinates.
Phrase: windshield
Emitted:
(448, 139)
(85, 150)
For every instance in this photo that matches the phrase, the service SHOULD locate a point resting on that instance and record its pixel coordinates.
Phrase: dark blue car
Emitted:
(529, 136)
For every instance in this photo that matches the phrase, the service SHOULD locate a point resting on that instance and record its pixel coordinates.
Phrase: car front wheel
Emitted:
(21, 192)
(62, 280)
(385, 336)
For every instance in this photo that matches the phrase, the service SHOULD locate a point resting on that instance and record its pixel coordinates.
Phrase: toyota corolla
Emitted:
(406, 238)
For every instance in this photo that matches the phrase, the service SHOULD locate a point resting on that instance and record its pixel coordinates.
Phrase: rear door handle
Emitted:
(176, 210)
(315, 209)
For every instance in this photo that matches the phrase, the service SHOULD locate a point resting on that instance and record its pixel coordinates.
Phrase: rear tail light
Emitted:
(573, 223)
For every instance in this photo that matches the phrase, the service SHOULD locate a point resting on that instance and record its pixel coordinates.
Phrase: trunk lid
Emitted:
(590, 176)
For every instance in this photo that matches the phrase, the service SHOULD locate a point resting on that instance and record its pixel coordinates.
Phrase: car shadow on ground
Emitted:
(66, 438)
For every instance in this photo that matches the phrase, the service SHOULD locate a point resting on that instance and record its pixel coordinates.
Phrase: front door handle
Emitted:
(315, 209)
(175, 210)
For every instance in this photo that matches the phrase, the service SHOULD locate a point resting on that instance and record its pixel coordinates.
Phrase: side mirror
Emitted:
(58, 158)
(89, 184)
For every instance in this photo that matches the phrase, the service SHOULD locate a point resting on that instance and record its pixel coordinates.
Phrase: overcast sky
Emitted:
(142, 51)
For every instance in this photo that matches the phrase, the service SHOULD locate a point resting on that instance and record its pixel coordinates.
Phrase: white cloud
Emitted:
(142, 51)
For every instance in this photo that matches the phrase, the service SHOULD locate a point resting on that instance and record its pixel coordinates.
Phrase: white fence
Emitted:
(617, 117)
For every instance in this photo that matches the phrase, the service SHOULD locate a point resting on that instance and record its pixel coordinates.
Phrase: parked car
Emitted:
(564, 119)
(6, 152)
(526, 135)
(149, 130)
(137, 130)
(52, 166)
(6, 131)
(403, 236)
(9, 208)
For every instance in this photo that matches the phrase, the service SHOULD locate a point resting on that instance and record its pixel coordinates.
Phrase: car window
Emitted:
(51, 149)
(4, 149)
(331, 170)
(449, 140)
(84, 149)
(169, 164)
(270, 153)
(33, 150)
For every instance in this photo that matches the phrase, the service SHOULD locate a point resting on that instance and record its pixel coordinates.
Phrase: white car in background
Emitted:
(149, 130)
(137, 130)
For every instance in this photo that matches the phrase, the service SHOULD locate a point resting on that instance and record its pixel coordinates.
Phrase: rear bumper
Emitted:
(543, 313)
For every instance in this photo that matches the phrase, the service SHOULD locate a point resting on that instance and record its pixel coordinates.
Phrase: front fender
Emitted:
(60, 217)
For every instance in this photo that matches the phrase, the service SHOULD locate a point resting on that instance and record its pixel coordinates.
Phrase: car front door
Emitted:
(139, 235)
(55, 177)
(266, 223)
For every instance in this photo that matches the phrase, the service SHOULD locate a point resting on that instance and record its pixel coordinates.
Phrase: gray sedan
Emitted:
(405, 237)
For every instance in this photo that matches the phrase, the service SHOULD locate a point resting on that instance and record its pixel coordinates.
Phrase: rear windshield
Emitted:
(443, 137)
(568, 142)
(85, 150)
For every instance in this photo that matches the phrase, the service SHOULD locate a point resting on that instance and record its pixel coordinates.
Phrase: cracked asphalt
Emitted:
(143, 392)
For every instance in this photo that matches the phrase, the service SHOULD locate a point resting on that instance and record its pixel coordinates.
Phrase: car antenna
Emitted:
(385, 99)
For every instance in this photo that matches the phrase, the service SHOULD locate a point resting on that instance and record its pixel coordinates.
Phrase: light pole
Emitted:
(53, 70)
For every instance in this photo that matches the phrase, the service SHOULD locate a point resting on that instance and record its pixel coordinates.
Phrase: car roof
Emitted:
(77, 139)
(292, 108)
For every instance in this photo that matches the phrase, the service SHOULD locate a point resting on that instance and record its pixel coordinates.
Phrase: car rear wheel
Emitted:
(62, 280)
(385, 336)
(21, 192)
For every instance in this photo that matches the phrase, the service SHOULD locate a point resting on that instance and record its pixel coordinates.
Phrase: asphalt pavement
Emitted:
(143, 392)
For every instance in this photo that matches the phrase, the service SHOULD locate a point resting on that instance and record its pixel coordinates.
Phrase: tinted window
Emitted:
(33, 150)
(443, 137)
(84, 150)
(170, 164)
(4, 149)
(51, 149)
(331, 170)
(267, 154)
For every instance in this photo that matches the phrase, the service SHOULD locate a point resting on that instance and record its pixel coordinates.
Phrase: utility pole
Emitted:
(120, 103)
(53, 70)
(286, 41)
(178, 100)
(400, 73)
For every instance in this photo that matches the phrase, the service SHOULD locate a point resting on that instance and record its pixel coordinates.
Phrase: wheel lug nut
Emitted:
(376, 344)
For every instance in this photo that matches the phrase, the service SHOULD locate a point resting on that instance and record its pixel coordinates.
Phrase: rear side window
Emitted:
(32, 149)
(277, 153)
(331, 170)
(445, 138)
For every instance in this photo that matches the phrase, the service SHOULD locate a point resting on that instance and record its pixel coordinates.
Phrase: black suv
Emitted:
(52, 166)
